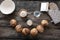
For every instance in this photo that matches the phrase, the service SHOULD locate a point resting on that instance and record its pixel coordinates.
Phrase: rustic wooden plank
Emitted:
(51, 32)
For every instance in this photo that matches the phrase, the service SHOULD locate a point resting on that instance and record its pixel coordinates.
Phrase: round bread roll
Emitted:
(40, 28)
(18, 28)
(34, 32)
(44, 22)
(25, 31)
(13, 22)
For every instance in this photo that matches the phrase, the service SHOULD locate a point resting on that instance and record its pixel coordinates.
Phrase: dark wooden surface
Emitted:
(52, 32)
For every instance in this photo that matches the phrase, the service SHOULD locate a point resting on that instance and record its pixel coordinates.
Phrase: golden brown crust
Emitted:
(25, 31)
(13, 22)
(40, 28)
(34, 32)
(44, 22)
(18, 28)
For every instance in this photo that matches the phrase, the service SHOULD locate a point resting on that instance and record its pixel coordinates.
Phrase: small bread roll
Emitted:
(29, 22)
(34, 32)
(13, 22)
(18, 28)
(25, 31)
(40, 28)
(44, 22)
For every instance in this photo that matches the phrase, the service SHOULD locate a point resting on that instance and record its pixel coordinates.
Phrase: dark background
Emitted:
(52, 32)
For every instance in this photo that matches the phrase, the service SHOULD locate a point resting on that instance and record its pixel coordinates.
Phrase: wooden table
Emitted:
(52, 32)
